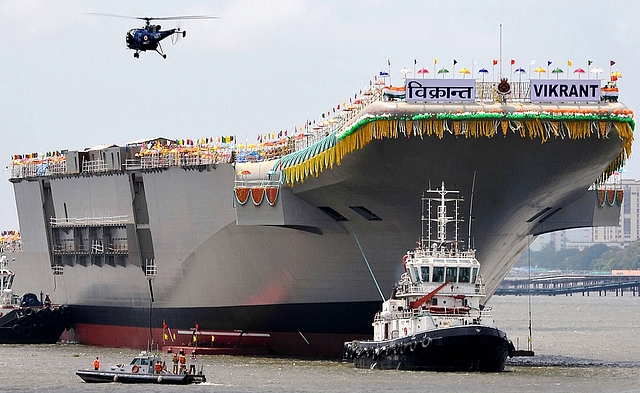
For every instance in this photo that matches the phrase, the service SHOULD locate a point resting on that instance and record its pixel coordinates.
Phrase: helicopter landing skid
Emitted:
(160, 51)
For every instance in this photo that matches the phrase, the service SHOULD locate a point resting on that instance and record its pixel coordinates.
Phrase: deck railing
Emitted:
(210, 154)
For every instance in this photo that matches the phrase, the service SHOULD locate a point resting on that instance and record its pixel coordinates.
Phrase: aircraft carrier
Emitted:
(283, 245)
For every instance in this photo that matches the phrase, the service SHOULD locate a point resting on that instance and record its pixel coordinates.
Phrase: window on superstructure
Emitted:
(474, 275)
(464, 274)
(415, 275)
(424, 272)
(452, 274)
(438, 274)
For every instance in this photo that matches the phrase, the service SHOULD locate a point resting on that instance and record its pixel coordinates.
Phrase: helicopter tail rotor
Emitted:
(178, 33)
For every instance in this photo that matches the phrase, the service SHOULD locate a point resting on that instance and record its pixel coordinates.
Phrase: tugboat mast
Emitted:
(440, 217)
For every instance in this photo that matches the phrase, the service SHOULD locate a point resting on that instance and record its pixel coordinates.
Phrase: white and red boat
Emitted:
(434, 319)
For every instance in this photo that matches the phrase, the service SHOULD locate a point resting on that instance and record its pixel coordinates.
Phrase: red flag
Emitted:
(164, 324)
(495, 62)
(197, 327)
(612, 62)
(513, 62)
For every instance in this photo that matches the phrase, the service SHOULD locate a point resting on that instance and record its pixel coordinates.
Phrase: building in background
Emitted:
(621, 236)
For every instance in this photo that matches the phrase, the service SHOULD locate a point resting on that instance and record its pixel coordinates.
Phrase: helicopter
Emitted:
(149, 36)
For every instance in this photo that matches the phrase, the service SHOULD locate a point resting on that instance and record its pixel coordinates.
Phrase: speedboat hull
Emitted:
(97, 376)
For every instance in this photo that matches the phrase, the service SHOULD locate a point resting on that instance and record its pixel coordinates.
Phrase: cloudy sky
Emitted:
(68, 82)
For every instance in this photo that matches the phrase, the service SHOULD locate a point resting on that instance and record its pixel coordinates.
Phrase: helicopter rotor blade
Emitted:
(116, 16)
(185, 17)
(148, 18)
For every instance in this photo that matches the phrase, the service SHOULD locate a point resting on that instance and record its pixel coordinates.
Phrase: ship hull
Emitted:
(34, 325)
(285, 329)
(462, 348)
(229, 267)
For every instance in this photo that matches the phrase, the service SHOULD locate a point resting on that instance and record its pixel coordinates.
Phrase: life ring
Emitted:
(405, 330)
(135, 369)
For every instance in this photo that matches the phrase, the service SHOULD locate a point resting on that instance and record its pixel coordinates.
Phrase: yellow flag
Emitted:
(213, 338)
(569, 63)
(174, 336)
(195, 339)
(435, 61)
(166, 336)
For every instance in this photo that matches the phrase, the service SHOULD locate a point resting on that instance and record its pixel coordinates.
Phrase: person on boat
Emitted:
(175, 363)
(183, 362)
(158, 367)
(192, 363)
(96, 363)
(47, 301)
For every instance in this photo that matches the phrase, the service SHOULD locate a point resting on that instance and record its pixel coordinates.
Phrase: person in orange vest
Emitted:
(175, 363)
(158, 367)
(96, 364)
(183, 363)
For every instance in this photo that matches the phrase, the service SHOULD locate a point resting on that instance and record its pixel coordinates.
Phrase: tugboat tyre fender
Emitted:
(413, 346)
(403, 348)
(160, 379)
(26, 331)
(115, 378)
(21, 319)
(39, 314)
(426, 342)
(16, 328)
(135, 369)
(28, 311)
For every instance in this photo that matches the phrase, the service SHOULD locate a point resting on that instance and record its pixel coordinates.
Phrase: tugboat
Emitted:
(26, 319)
(434, 319)
(144, 368)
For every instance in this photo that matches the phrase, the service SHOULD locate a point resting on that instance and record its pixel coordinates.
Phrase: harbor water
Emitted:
(582, 344)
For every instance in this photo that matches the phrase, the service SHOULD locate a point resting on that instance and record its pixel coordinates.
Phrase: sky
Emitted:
(68, 81)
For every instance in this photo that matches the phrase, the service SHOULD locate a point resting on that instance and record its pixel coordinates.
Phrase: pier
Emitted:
(565, 284)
